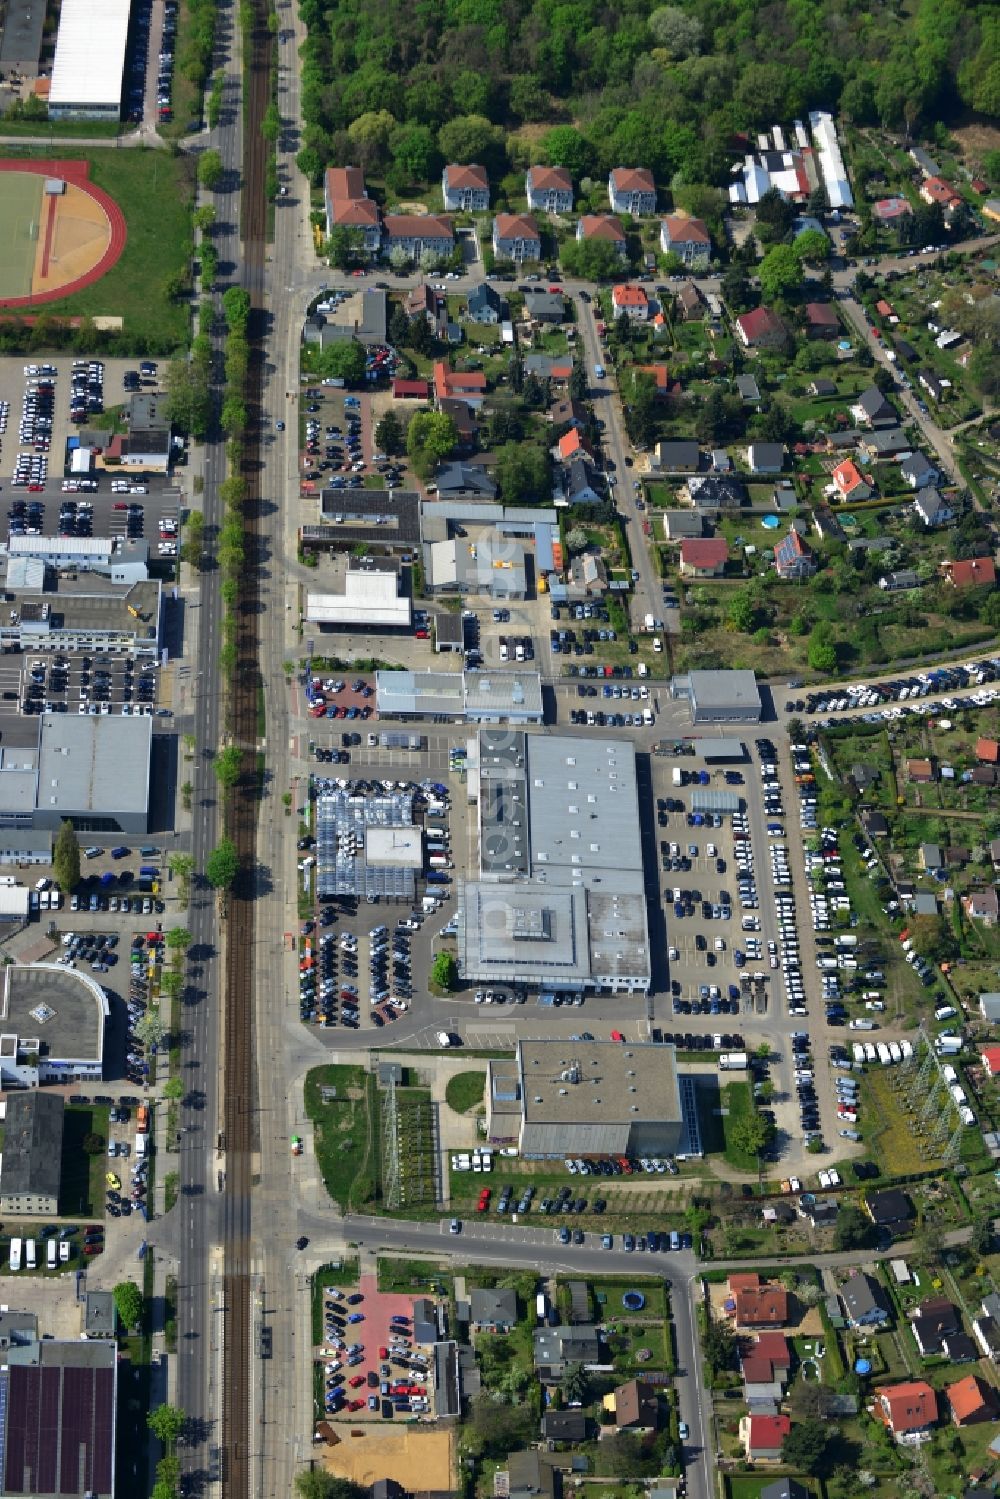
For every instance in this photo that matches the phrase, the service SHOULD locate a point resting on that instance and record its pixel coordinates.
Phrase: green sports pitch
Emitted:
(21, 200)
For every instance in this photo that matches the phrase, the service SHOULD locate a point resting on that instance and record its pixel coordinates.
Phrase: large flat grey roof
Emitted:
(608, 1083)
(32, 1149)
(70, 1010)
(81, 609)
(584, 812)
(94, 764)
(725, 689)
(516, 692)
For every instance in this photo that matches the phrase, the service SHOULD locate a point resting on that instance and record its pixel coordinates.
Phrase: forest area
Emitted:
(587, 85)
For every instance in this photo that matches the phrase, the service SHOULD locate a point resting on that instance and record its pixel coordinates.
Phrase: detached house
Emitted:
(492, 1310)
(908, 1410)
(413, 233)
(934, 1320)
(792, 557)
(937, 190)
(603, 226)
(766, 457)
(873, 410)
(850, 483)
(971, 1400)
(821, 320)
(457, 385)
(632, 190)
(486, 305)
(918, 471)
(972, 572)
(704, 558)
(466, 189)
(982, 905)
(761, 329)
(757, 1303)
(891, 210)
(635, 1406)
(932, 508)
(516, 237)
(630, 301)
(864, 1301)
(686, 238)
(763, 1437)
(549, 189)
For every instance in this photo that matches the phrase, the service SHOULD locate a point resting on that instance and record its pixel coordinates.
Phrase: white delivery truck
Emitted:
(540, 1306)
(15, 1254)
(733, 1061)
(677, 776)
(30, 1255)
(50, 1255)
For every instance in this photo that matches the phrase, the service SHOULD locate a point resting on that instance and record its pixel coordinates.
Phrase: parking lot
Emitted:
(371, 1362)
(71, 682)
(36, 413)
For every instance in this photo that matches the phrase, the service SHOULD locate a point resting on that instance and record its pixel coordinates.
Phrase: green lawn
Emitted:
(345, 1134)
(154, 190)
(21, 197)
(465, 1091)
(82, 1184)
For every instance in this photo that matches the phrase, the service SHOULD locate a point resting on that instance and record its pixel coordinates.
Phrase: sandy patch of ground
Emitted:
(79, 238)
(416, 1459)
(417, 208)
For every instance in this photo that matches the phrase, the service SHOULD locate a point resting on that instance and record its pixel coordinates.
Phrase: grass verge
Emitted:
(341, 1103)
(465, 1091)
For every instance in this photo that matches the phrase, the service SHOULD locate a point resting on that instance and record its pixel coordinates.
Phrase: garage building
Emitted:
(89, 63)
(371, 601)
(32, 1157)
(52, 1026)
(591, 1098)
(719, 696)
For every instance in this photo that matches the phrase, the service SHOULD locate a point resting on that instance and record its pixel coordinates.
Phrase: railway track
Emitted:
(239, 1111)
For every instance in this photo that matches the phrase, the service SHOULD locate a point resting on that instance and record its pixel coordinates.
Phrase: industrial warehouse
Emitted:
(560, 901)
(591, 1098)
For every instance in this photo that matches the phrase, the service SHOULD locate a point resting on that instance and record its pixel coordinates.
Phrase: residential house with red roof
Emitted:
(459, 385)
(704, 557)
(413, 233)
(849, 482)
(761, 329)
(756, 1303)
(970, 572)
(660, 376)
(632, 301)
(937, 190)
(988, 751)
(348, 206)
(821, 320)
(571, 445)
(632, 190)
(971, 1400)
(516, 237)
(891, 210)
(466, 189)
(687, 238)
(792, 557)
(763, 1437)
(990, 1058)
(908, 1410)
(603, 226)
(549, 189)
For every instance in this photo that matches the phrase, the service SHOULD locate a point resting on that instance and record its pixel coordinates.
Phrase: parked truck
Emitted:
(733, 1061)
(142, 1119)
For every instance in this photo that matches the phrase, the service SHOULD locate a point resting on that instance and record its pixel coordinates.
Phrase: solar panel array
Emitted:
(58, 1430)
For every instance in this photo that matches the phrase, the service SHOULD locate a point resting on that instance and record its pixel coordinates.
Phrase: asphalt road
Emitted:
(196, 1234)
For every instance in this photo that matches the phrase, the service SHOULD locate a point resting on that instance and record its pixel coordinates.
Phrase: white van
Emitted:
(140, 1146)
(50, 1254)
(15, 1254)
(945, 1012)
(30, 1257)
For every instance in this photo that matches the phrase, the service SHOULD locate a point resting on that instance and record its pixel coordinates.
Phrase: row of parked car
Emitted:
(923, 684)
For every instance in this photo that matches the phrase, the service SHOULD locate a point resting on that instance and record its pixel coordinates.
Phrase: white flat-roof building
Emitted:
(90, 60)
(371, 600)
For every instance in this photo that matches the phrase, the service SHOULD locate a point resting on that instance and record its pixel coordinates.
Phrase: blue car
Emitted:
(738, 958)
(678, 909)
(734, 992)
(356, 1317)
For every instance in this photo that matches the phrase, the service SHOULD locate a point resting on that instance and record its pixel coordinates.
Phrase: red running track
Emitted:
(76, 172)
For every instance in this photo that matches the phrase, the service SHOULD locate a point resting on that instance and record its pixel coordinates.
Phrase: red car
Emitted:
(617, 1036)
(420, 634)
(93, 1248)
(383, 1353)
(356, 1380)
(355, 1405)
(36, 488)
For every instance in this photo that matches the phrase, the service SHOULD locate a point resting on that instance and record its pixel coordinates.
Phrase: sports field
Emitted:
(20, 208)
